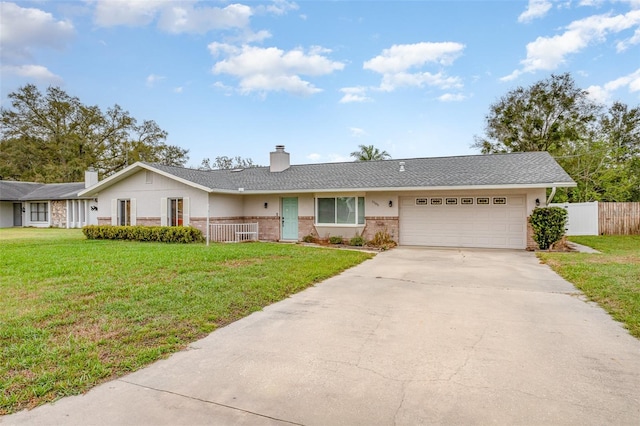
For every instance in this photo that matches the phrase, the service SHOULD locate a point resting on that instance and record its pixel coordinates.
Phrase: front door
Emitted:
(290, 219)
(17, 214)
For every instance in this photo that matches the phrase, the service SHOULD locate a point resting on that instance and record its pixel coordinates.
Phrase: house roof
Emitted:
(526, 169)
(30, 191)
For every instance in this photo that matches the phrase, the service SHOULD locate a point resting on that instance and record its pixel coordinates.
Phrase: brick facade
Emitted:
(531, 244)
(306, 226)
(374, 224)
(268, 227)
(148, 221)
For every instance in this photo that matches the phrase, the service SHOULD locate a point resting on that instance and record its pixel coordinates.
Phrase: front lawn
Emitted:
(611, 278)
(75, 312)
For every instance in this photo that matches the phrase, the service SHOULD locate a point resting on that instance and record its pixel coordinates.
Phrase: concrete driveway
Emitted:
(413, 336)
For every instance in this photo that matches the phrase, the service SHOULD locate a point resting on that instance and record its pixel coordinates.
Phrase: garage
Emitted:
(464, 221)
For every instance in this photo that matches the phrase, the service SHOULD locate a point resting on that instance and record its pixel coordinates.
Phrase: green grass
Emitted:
(74, 312)
(611, 278)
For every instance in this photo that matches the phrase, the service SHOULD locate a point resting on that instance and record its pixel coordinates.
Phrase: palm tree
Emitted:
(369, 153)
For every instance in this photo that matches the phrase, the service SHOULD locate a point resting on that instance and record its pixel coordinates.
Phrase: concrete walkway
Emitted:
(413, 336)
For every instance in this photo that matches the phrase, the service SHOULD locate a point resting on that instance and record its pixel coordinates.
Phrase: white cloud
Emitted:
(26, 29)
(535, 9)
(132, 13)
(152, 79)
(271, 69)
(623, 45)
(401, 57)
(396, 62)
(178, 18)
(391, 82)
(598, 94)
(279, 7)
(178, 89)
(357, 132)
(452, 97)
(315, 157)
(604, 93)
(547, 53)
(329, 158)
(188, 16)
(354, 94)
(33, 72)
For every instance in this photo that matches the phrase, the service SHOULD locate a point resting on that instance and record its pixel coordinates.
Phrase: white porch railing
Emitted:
(233, 232)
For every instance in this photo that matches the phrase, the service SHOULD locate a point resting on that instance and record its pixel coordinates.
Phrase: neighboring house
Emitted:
(467, 201)
(46, 205)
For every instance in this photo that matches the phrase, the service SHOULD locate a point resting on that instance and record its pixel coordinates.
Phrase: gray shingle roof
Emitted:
(28, 191)
(526, 168)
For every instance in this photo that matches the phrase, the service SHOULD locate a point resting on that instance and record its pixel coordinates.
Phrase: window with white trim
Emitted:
(39, 212)
(340, 210)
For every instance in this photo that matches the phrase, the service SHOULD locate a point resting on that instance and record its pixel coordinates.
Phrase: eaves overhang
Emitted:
(246, 191)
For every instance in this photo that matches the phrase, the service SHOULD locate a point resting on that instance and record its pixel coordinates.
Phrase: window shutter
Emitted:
(185, 211)
(163, 211)
(114, 212)
(133, 211)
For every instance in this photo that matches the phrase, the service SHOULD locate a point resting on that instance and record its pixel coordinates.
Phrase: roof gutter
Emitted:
(246, 191)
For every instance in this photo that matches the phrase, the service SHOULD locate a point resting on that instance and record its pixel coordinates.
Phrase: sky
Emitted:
(224, 78)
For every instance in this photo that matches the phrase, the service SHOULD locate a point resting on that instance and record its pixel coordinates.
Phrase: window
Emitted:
(499, 200)
(482, 200)
(466, 200)
(39, 212)
(451, 201)
(436, 201)
(422, 201)
(340, 210)
(175, 212)
(124, 212)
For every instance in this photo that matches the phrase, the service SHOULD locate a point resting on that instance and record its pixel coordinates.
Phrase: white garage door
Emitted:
(459, 221)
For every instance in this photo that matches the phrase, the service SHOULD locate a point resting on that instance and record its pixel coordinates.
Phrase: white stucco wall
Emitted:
(6, 214)
(377, 204)
(531, 195)
(148, 195)
(226, 205)
(254, 204)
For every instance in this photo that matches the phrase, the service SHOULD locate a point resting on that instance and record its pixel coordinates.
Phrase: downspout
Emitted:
(208, 215)
(553, 193)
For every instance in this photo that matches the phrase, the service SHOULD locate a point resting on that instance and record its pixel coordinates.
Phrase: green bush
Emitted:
(548, 225)
(357, 241)
(162, 234)
(336, 239)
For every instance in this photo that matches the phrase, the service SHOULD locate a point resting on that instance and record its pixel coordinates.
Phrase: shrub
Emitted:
(309, 238)
(548, 225)
(162, 234)
(336, 239)
(358, 241)
(382, 240)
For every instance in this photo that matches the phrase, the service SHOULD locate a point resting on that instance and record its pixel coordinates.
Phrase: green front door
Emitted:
(290, 218)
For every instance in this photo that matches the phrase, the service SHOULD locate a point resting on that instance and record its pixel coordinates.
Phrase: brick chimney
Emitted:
(279, 159)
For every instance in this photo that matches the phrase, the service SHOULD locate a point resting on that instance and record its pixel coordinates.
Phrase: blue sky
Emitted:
(414, 78)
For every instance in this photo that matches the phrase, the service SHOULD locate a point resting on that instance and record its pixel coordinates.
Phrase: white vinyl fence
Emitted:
(582, 218)
(233, 232)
